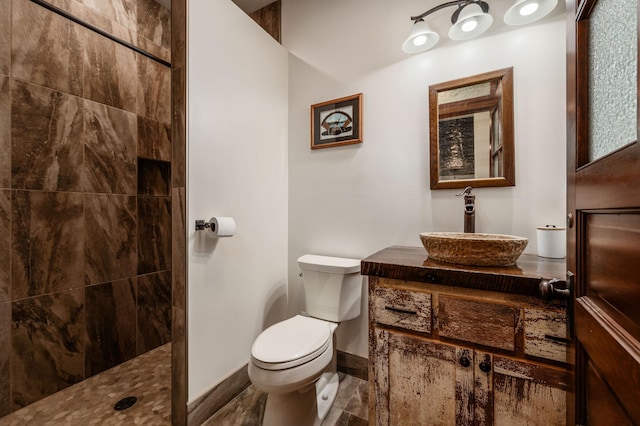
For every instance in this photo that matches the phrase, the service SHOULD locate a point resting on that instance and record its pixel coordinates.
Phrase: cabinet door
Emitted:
(524, 393)
(419, 381)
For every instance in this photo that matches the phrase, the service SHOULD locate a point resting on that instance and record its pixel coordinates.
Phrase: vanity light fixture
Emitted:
(528, 11)
(421, 38)
(470, 19)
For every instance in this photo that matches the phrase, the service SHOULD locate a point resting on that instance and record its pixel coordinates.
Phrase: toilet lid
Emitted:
(291, 342)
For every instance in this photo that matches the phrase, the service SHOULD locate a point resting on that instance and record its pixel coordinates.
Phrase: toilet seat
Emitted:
(291, 343)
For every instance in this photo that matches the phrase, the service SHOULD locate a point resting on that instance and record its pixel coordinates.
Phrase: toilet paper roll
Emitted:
(552, 241)
(221, 227)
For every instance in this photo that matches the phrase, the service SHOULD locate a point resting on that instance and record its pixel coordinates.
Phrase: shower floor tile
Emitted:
(90, 402)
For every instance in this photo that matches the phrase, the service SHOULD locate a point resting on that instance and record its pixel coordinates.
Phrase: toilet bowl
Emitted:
(296, 372)
(295, 361)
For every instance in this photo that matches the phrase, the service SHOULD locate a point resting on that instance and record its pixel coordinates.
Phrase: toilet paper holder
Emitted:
(217, 227)
(203, 224)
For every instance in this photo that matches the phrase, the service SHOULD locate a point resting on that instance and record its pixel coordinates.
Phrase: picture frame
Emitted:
(456, 147)
(337, 122)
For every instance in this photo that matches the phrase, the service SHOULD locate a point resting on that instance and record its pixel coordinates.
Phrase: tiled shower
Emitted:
(85, 192)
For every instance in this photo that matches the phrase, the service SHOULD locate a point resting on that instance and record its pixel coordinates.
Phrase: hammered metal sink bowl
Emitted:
(473, 249)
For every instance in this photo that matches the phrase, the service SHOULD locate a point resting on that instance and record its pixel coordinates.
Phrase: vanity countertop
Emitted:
(413, 264)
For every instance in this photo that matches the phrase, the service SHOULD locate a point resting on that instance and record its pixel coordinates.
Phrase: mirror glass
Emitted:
(471, 131)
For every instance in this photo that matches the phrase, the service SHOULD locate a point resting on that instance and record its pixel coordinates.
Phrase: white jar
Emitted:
(552, 241)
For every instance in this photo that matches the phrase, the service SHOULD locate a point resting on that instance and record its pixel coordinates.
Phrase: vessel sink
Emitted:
(473, 249)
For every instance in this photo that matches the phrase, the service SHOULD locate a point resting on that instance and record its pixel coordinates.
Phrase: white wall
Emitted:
(249, 157)
(358, 199)
(237, 166)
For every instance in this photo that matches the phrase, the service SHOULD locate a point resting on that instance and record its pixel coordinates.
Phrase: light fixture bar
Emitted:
(442, 6)
(471, 19)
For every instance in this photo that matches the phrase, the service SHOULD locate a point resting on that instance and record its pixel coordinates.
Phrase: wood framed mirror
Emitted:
(471, 131)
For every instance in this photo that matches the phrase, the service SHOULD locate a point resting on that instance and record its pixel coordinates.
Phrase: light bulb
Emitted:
(420, 40)
(528, 9)
(469, 25)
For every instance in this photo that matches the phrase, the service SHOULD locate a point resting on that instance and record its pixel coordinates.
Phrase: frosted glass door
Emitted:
(612, 88)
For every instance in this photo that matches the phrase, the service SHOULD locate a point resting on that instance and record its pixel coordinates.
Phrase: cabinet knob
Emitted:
(485, 366)
(464, 361)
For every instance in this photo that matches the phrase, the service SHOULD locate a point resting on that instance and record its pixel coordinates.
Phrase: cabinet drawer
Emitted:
(402, 308)
(545, 334)
(477, 321)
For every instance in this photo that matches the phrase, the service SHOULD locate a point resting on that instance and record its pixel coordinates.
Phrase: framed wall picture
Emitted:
(456, 148)
(337, 122)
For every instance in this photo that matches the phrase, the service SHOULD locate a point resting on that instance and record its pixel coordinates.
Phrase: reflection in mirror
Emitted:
(471, 131)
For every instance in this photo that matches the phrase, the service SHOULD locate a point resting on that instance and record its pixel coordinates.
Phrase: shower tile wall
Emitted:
(85, 193)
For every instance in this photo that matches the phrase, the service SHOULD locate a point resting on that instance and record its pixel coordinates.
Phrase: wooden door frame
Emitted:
(571, 95)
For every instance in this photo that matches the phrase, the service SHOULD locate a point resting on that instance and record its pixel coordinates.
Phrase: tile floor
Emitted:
(91, 402)
(349, 408)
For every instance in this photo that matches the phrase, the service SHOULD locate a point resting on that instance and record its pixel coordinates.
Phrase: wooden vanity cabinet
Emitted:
(446, 355)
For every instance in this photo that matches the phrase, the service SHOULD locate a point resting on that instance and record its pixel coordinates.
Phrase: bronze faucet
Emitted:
(469, 210)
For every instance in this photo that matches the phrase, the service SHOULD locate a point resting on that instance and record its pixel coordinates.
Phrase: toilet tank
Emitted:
(332, 287)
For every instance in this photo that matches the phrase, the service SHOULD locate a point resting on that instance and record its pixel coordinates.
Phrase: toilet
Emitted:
(294, 361)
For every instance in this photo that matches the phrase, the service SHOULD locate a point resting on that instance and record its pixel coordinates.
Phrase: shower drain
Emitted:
(125, 403)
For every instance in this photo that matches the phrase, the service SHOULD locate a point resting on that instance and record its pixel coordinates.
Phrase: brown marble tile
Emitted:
(47, 345)
(121, 11)
(5, 354)
(5, 131)
(109, 71)
(358, 403)
(154, 177)
(179, 307)
(154, 311)
(110, 242)
(86, 13)
(247, 407)
(154, 22)
(152, 48)
(154, 139)
(178, 127)
(61, 4)
(347, 389)
(154, 90)
(5, 245)
(110, 325)
(109, 149)
(45, 48)
(89, 12)
(154, 234)
(123, 33)
(347, 419)
(5, 37)
(118, 21)
(91, 401)
(47, 242)
(46, 132)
